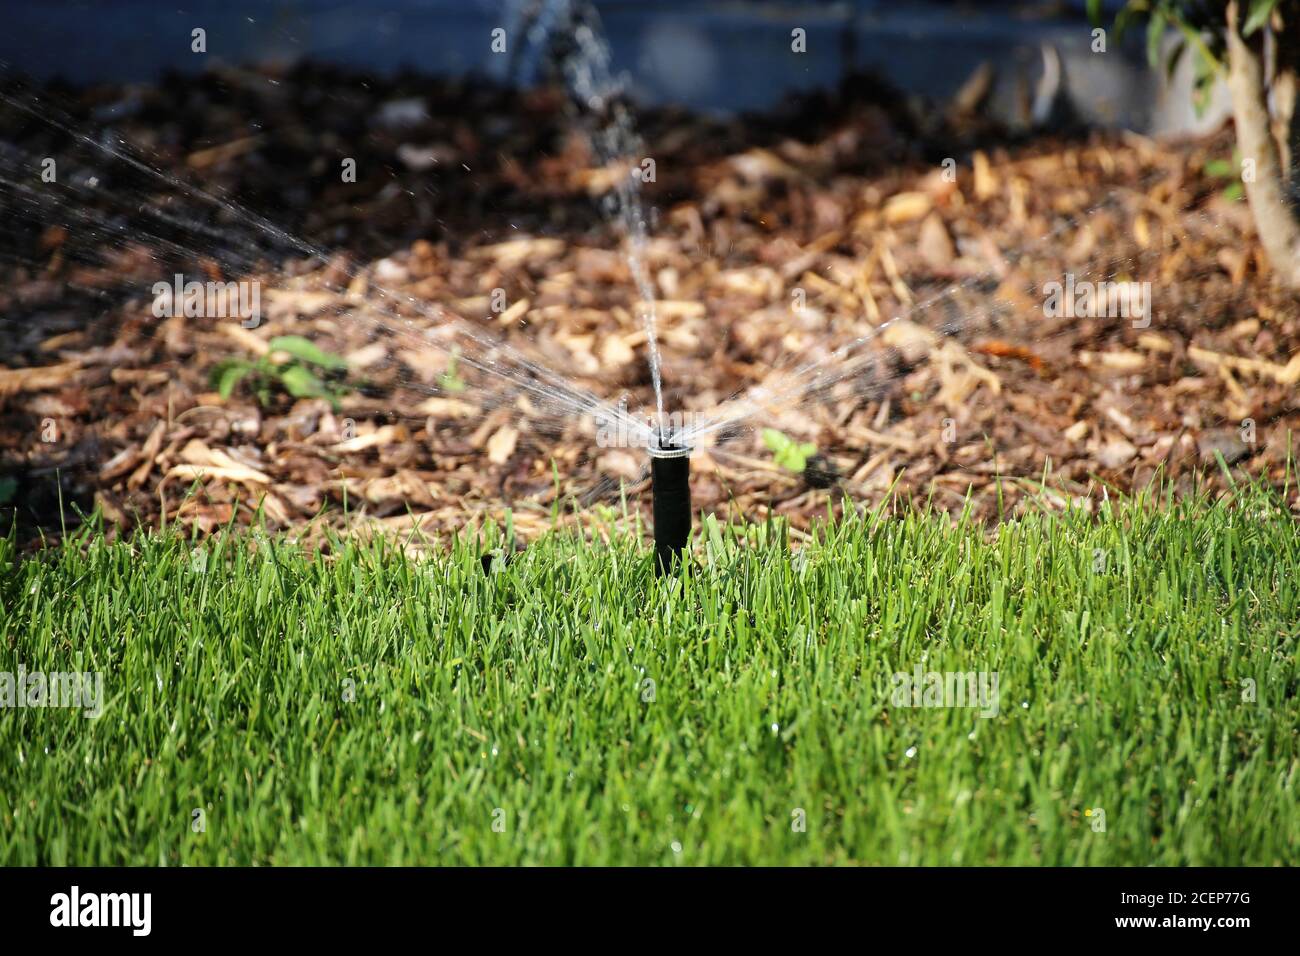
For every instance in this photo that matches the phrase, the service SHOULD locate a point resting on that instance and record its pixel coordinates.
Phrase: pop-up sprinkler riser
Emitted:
(670, 488)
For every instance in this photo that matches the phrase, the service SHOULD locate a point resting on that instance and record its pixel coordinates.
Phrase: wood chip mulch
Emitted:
(774, 242)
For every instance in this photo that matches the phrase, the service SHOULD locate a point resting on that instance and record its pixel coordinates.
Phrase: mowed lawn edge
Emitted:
(264, 705)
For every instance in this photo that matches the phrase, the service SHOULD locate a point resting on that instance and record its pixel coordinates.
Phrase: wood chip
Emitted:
(148, 455)
(446, 408)
(385, 435)
(502, 444)
(38, 378)
(906, 207)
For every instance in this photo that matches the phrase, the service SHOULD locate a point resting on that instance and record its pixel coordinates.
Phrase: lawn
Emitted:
(361, 706)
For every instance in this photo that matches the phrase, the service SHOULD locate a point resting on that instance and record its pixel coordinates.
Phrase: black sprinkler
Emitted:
(670, 487)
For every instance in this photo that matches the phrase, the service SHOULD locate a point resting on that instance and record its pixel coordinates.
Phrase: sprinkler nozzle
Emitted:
(670, 486)
(669, 451)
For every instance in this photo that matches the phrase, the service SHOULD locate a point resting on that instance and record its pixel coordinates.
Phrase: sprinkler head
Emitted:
(663, 452)
(670, 486)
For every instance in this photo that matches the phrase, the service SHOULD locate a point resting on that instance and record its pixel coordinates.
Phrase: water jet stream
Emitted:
(583, 57)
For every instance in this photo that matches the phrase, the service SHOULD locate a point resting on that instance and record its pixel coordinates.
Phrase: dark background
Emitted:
(714, 55)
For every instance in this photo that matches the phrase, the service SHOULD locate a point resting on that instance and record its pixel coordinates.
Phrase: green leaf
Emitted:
(1124, 19)
(307, 351)
(450, 380)
(788, 454)
(713, 532)
(1260, 11)
(1219, 169)
(1155, 33)
(231, 376)
(1235, 192)
(1094, 12)
(301, 383)
(1206, 64)
(1175, 55)
(776, 441)
(1203, 87)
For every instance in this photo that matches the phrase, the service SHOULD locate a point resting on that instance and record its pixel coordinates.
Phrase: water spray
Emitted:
(670, 489)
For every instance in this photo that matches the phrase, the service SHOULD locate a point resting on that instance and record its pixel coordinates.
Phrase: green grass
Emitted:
(1121, 688)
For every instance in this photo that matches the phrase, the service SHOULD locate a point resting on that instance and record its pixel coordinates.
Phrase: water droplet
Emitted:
(677, 847)
(911, 752)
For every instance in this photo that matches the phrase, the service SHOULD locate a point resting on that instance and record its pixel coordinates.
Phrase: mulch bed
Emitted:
(775, 241)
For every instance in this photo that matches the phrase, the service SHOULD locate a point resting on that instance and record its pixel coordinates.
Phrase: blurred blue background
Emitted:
(713, 55)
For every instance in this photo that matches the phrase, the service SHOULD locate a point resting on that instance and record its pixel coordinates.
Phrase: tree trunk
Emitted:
(1267, 191)
(1285, 86)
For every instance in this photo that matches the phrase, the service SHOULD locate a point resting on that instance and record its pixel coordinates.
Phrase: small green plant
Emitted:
(450, 380)
(1226, 169)
(786, 452)
(309, 372)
